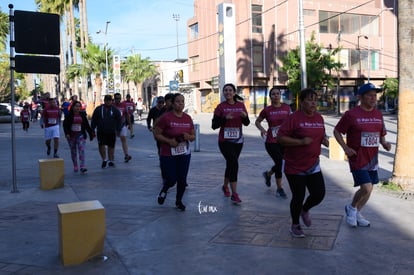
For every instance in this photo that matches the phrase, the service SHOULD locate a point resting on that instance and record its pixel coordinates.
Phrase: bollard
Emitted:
(197, 138)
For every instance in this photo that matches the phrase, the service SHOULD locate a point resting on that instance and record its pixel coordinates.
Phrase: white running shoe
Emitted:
(361, 221)
(351, 215)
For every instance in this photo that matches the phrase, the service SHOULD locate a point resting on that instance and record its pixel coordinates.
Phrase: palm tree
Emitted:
(136, 70)
(403, 173)
(4, 30)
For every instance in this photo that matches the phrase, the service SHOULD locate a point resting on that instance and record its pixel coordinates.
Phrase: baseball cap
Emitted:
(367, 87)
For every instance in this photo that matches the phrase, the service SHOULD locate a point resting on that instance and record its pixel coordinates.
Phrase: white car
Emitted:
(17, 109)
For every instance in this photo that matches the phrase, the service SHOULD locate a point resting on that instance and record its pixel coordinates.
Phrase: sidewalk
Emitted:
(212, 236)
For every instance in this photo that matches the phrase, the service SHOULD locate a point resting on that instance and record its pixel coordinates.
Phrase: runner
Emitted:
(50, 121)
(126, 123)
(274, 114)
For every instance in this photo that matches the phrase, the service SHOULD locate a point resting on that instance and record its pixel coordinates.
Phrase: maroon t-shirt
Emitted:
(232, 128)
(303, 160)
(274, 117)
(51, 116)
(174, 127)
(363, 131)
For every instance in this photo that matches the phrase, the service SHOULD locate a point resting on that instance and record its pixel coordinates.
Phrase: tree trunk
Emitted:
(403, 173)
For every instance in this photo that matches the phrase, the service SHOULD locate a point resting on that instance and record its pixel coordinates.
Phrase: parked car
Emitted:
(17, 109)
(5, 114)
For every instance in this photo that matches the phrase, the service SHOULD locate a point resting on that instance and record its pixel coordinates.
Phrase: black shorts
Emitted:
(107, 139)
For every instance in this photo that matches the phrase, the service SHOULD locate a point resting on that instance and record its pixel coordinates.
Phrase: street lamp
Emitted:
(176, 17)
(359, 52)
(106, 55)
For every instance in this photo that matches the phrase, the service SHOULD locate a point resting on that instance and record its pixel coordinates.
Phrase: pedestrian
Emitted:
(65, 107)
(274, 114)
(302, 134)
(140, 108)
(126, 124)
(175, 130)
(365, 130)
(130, 105)
(76, 126)
(50, 121)
(229, 116)
(107, 120)
(25, 117)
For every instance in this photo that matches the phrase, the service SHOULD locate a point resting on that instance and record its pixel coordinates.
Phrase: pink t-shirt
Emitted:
(232, 129)
(303, 160)
(274, 117)
(130, 106)
(122, 107)
(174, 127)
(363, 131)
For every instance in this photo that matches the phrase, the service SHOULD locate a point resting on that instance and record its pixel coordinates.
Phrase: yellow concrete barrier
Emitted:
(51, 173)
(81, 231)
(335, 150)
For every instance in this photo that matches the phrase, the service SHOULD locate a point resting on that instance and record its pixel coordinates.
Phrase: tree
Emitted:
(403, 172)
(319, 65)
(136, 69)
(4, 30)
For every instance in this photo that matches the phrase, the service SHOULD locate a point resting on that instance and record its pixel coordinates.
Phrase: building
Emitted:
(243, 41)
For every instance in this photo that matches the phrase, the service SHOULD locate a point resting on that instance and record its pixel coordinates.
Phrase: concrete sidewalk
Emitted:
(212, 236)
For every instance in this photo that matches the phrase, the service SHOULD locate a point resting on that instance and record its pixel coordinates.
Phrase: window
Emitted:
(194, 31)
(258, 57)
(347, 23)
(195, 64)
(256, 18)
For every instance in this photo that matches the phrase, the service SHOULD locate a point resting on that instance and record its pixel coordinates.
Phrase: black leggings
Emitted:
(298, 184)
(231, 152)
(275, 151)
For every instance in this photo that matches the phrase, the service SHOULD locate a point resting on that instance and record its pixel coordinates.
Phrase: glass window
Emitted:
(258, 57)
(323, 19)
(194, 31)
(195, 64)
(257, 18)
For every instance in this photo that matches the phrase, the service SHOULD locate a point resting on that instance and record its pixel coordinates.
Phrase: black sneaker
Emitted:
(281, 193)
(180, 205)
(161, 197)
(83, 171)
(267, 178)
(48, 150)
(111, 164)
(104, 164)
(127, 158)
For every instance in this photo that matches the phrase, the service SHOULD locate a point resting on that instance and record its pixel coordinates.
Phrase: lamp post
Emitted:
(176, 17)
(359, 52)
(106, 55)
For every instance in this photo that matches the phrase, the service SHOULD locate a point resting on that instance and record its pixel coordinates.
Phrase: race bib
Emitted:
(231, 133)
(76, 128)
(51, 120)
(370, 139)
(181, 149)
(274, 131)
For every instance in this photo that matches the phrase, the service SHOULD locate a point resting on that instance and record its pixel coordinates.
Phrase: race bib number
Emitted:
(274, 131)
(370, 139)
(231, 133)
(76, 128)
(181, 149)
(51, 120)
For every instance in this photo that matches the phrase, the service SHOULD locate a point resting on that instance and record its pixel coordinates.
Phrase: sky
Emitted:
(145, 27)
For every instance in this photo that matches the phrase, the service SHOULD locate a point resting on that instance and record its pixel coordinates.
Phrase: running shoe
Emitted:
(180, 205)
(296, 231)
(351, 215)
(226, 191)
(281, 193)
(161, 197)
(235, 198)
(306, 218)
(104, 163)
(267, 178)
(127, 158)
(361, 221)
(75, 169)
(83, 171)
(111, 164)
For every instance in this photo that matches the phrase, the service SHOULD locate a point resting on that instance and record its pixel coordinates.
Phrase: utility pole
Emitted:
(176, 17)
